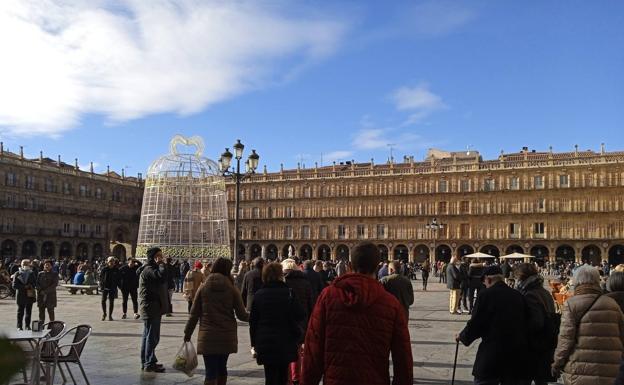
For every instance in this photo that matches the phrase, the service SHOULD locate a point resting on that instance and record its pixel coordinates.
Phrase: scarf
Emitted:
(24, 275)
(529, 283)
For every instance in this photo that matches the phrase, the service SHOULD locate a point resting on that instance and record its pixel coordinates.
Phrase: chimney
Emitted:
(91, 167)
(41, 156)
(123, 173)
(76, 164)
(107, 170)
(21, 152)
(58, 161)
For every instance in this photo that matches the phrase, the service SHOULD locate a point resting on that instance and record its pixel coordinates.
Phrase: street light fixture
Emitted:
(434, 226)
(224, 166)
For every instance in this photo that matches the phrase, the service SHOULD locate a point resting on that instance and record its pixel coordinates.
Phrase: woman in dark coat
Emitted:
(425, 269)
(302, 291)
(274, 325)
(24, 283)
(541, 316)
(47, 281)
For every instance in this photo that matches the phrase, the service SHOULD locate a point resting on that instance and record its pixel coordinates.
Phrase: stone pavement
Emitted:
(112, 352)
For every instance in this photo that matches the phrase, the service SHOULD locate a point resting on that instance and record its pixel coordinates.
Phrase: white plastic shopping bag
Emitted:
(186, 359)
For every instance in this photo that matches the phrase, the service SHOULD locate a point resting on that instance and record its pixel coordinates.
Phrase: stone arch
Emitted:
(464, 250)
(616, 254)
(592, 254)
(305, 252)
(421, 253)
(255, 251)
(82, 251)
(491, 250)
(400, 252)
(65, 250)
(271, 252)
(47, 249)
(8, 248)
(289, 251)
(383, 252)
(565, 253)
(119, 251)
(342, 252)
(323, 253)
(98, 251)
(540, 253)
(514, 249)
(443, 253)
(29, 249)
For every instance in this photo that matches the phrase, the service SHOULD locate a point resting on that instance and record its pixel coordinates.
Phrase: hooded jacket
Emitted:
(353, 329)
(590, 349)
(214, 306)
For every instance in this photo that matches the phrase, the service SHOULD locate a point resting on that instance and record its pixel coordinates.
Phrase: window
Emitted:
(270, 212)
(464, 207)
(66, 227)
(9, 225)
(442, 186)
(98, 193)
(289, 212)
(255, 212)
(307, 192)
(489, 185)
(254, 232)
(381, 231)
(30, 202)
(11, 200)
(83, 190)
(538, 181)
(342, 232)
(541, 204)
(361, 232)
(49, 185)
(288, 232)
(305, 232)
(538, 228)
(564, 181)
(442, 207)
(464, 185)
(514, 230)
(10, 179)
(117, 196)
(98, 229)
(514, 183)
(254, 193)
(30, 182)
(290, 192)
(83, 228)
(464, 230)
(323, 232)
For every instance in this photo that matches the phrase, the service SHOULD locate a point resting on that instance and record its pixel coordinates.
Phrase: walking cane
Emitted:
(455, 362)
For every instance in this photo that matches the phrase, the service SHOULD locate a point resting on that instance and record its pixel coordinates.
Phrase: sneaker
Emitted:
(20, 329)
(27, 327)
(154, 369)
(103, 317)
(136, 316)
(123, 316)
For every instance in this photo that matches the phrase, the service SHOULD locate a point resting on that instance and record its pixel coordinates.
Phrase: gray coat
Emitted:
(46, 289)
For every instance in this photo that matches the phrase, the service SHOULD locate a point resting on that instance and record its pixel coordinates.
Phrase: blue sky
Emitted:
(112, 82)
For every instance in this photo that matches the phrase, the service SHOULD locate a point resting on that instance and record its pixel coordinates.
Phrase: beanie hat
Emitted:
(151, 253)
(198, 265)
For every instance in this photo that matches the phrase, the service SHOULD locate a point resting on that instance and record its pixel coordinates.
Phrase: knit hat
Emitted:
(198, 265)
(151, 253)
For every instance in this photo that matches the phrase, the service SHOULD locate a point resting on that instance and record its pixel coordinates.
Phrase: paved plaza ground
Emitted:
(112, 352)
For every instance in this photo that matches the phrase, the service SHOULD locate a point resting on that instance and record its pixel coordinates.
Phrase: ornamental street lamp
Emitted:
(434, 226)
(224, 166)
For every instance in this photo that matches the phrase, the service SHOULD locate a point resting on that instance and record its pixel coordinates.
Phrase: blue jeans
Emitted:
(151, 336)
(216, 365)
(179, 284)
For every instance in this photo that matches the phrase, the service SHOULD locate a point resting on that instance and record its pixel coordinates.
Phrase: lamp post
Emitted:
(434, 226)
(250, 168)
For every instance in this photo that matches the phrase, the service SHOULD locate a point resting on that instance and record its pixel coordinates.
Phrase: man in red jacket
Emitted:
(353, 329)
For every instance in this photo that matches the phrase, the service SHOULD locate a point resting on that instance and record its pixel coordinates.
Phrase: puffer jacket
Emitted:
(354, 327)
(214, 306)
(594, 356)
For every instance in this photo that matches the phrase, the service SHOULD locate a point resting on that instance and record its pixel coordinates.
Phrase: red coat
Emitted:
(353, 329)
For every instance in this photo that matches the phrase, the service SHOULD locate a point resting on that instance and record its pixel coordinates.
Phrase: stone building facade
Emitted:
(49, 208)
(567, 206)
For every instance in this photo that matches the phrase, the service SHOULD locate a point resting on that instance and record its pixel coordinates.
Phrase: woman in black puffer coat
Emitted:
(543, 322)
(274, 325)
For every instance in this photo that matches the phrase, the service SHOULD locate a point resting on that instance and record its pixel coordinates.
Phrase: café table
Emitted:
(35, 338)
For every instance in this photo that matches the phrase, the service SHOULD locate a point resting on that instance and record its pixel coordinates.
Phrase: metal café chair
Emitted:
(57, 331)
(69, 353)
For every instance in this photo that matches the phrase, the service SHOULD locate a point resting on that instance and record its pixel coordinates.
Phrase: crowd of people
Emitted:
(339, 323)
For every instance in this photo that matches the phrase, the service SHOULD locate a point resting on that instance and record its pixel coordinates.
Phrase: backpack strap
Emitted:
(578, 323)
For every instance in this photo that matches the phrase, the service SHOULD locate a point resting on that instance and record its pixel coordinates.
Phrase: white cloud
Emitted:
(340, 155)
(419, 101)
(436, 18)
(128, 59)
(384, 138)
